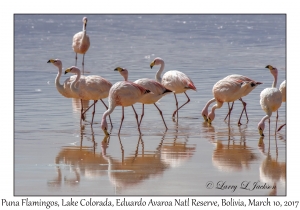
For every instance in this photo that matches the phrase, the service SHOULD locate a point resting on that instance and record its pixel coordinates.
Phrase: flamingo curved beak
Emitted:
(209, 120)
(67, 71)
(151, 65)
(261, 133)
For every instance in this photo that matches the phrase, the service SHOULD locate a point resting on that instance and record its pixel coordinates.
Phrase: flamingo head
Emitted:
(84, 20)
(55, 62)
(72, 69)
(261, 128)
(123, 72)
(104, 126)
(204, 114)
(210, 117)
(156, 61)
(273, 70)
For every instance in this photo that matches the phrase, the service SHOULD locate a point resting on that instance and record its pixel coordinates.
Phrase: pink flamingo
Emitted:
(157, 92)
(173, 80)
(92, 87)
(282, 89)
(270, 101)
(81, 43)
(229, 90)
(239, 78)
(123, 93)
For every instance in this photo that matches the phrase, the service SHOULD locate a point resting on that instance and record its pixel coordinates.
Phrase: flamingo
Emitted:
(282, 89)
(157, 90)
(229, 90)
(236, 77)
(92, 87)
(173, 80)
(123, 93)
(81, 43)
(65, 89)
(270, 101)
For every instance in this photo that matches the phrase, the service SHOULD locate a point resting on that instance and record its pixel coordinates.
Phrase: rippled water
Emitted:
(53, 155)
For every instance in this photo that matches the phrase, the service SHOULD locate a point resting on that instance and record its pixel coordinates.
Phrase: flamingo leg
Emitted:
(83, 64)
(176, 106)
(181, 105)
(121, 119)
(276, 122)
(136, 117)
(281, 127)
(88, 108)
(106, 109)
(160, 112)
(75, 59)
(229, 113)
(95, 101)
(245, 104)
(244, 109)
(269, 130)
(229, 109)
(142, 115)
(82, 115)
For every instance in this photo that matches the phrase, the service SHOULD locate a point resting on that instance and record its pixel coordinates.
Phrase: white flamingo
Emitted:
(123, 93)
(92, 87)
(157, 92)
(65, 88)
(81, 43)
(229, 90)
(282, 89)
(239, 78)
(173, 80)
(270, 101)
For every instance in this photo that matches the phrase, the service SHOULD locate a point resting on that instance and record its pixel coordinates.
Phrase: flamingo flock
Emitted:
(149, 91)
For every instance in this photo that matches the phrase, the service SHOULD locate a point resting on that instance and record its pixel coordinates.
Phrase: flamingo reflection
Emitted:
(76, 103)
(232, 155)
(271, 171)
(175, 151)
(81, 160)
(134, 169)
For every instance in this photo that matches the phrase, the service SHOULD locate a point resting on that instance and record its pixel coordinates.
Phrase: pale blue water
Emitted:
(54, 156)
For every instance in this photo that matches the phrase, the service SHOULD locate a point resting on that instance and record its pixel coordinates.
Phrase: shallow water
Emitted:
(54, 155)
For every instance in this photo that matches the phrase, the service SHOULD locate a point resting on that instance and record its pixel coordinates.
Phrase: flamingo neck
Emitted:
(159, 72)
(73, 85)
(205, 109)
(266, 117)
(262, 121)
(274, 82)
(110, 109)
(59, 86)
(83, 32)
